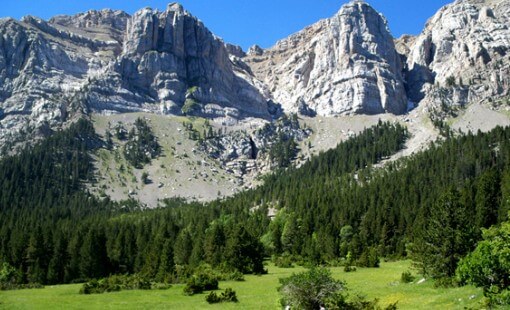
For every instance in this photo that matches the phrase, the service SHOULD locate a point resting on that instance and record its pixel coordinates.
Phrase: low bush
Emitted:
(200, 282)
(309, 289)
(445, 282)
(497, 299)
(357, 302)
(98, 287)
(120, 282)
(221, 273)
(406, 277)
(284, 261)
(229, 295)
(233, 276)
(9, 277)
(212, 298)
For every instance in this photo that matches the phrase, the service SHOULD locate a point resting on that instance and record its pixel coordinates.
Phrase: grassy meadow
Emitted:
(256, 292)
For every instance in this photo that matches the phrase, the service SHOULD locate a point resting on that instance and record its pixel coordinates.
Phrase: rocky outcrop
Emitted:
(235, 50)
(104, 25)
(463, 54)
(238, 150)
(344, 64)
(255, 50)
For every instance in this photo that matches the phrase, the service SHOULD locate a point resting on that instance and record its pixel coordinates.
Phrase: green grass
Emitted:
(384, 284)
(257, 292)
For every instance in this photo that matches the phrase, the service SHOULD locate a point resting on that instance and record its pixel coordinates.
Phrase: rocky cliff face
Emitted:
(169, 62)
(462, 55)
(344, 64)
(175, 60)
(41, 69)
(111, 62)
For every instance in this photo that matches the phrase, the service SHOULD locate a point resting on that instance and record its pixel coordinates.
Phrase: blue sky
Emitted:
(243, 22)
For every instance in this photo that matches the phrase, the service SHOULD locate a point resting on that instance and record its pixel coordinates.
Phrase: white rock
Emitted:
(466, 43)
(344, 64)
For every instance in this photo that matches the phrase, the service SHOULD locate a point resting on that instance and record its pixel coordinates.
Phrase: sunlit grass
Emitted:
(256, 292)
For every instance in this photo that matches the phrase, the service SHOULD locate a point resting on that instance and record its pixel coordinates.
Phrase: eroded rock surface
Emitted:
(344, 64)
(109, 62)
(462, 55)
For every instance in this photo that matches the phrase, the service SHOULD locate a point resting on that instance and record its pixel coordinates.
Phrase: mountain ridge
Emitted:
(168, 62)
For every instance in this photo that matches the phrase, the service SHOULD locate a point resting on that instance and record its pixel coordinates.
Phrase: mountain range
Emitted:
(108, 63)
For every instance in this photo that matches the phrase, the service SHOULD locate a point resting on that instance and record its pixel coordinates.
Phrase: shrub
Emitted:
(201, 282)
(221, 273)
(369, 259)
(358, 302)
(284, 261)
(309, 289)
(5, 287)
(488, 266)
(10, 277)
(450, 81)
(406, 277)
(228, 295)
(160, 286)
(120, 282)
(499, 298)
(234, 276)
(445, 282)
(93, 287)
(190, 106)
(348, 263)
(145, 178)
(212, 298)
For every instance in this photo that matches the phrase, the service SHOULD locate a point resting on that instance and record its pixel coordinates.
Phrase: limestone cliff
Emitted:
(462, 55)
(109, 62)
(345, 64)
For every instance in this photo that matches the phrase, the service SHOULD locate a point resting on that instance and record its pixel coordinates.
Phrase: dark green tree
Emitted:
(166, 262)
(183, 247)
(446, 238)
(214, 244)
(244, 251)
(505, 195)
(56, 271)
(141, 145)
(93, 258)
(35, 256)
(487, 198)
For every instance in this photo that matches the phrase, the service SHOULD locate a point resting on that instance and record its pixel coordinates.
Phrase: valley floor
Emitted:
(256, 292)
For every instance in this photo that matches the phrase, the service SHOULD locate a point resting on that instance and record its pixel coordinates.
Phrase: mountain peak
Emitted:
(176, 7)
(341, 65)
(358, 6)
(167, 53)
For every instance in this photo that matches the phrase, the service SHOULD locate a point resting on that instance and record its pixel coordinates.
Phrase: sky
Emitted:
(243, 22)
